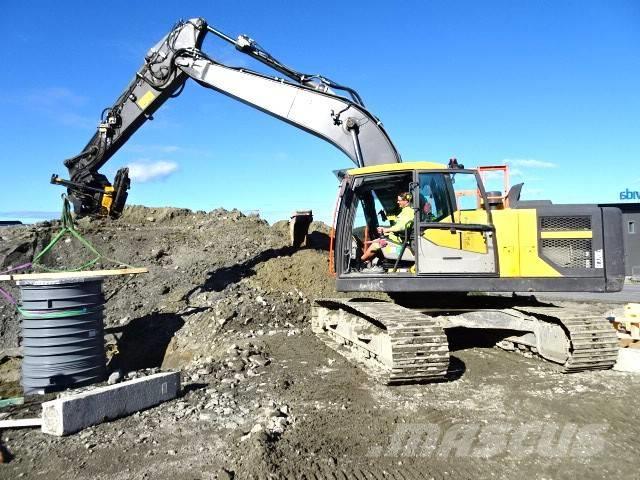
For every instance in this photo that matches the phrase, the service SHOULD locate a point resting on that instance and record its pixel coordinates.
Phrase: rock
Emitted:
(506, 345)
(225, 474)
(229, 316)
(271, 412)
(277, 425)
(257, 428)
(259, 360)
(115, 377)
(172, 452)
(236, 365)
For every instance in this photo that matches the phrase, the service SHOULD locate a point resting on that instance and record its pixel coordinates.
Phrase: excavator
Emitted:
(463, 244)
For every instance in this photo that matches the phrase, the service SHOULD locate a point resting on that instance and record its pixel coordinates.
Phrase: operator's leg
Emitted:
(371, 251)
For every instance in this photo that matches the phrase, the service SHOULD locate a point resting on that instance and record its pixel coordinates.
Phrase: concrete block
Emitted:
(628, 360)
(72, 413)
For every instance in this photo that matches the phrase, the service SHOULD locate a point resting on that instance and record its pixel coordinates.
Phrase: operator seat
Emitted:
(394, 253)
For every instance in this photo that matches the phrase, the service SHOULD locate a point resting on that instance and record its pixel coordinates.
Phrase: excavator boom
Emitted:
(309, 102)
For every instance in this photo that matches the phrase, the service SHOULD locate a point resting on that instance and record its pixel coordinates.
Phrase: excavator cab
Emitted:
(461, 240)
(452, 231)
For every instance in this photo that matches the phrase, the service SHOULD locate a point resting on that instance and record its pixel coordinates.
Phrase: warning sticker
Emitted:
(599, 261)
(146, 100)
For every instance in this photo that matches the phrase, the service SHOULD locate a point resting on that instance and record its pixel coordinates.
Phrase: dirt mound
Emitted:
(207, 272)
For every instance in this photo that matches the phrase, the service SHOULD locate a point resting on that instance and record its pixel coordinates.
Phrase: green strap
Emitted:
(61, 314)
(68, 228)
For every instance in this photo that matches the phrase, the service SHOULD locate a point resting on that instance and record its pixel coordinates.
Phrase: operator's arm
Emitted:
(404, 218)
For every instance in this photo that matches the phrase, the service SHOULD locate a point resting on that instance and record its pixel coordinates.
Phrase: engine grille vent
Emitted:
(565, 223)
(568, 252)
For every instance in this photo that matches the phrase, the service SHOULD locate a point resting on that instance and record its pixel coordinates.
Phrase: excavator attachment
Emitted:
(100, 198)
(299, 227)
(121, 186)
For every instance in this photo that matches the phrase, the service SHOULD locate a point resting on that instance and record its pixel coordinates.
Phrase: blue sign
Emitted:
(629, 195)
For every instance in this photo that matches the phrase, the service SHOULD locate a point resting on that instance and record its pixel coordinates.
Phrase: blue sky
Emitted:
(552, 87)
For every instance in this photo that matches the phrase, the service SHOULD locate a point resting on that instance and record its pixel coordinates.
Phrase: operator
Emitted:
(403, 221)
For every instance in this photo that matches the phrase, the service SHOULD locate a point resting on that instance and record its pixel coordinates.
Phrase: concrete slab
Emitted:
(628, 360)
(72, 413)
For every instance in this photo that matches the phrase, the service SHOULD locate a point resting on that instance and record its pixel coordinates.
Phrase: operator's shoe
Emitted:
(373, 269)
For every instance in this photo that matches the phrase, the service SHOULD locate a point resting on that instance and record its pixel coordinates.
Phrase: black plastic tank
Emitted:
(62, 334)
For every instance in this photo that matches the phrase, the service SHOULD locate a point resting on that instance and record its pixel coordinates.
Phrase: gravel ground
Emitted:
(226, 302)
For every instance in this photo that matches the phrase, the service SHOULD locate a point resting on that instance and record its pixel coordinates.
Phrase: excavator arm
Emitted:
(309, 102)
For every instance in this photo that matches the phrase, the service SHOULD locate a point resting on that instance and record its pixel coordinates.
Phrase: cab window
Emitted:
(444, 194)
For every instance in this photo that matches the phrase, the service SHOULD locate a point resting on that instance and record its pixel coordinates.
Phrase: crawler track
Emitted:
(593, 342)
(395, 344)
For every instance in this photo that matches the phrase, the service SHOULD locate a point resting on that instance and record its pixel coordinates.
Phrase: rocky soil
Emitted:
(226, 302)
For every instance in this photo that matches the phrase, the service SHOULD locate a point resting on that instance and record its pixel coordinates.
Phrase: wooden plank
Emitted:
(19, 423)
(86, 274)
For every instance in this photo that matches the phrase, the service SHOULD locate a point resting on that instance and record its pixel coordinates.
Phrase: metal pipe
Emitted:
(221, 35)
(352, 127)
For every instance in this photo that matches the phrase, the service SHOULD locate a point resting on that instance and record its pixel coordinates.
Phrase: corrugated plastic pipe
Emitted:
(62, 334)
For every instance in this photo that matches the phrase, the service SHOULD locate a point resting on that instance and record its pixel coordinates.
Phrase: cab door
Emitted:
(455, 234)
